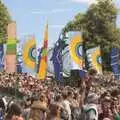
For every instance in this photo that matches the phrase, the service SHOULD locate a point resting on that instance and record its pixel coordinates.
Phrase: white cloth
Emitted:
(66, 105)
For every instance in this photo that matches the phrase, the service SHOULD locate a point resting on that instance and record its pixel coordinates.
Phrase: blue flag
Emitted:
(57, 61)
(115, 62)
(1, 57)
(57, 58)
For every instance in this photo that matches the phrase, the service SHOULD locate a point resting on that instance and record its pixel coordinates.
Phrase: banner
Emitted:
(11, 48)
(95, 59)
(29, 55)
(42, 72)
(19, 58)
(1, 57)
(57, 60)
(76, 50)
(115, 58)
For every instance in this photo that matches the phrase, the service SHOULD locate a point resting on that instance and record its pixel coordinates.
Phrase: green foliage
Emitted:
(98, 26)
(4, 20)
(74, 25)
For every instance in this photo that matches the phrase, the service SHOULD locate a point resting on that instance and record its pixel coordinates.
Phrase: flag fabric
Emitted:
(1, 57)
(115, 56)
(76, 50)
(57, 61)
(19, 58)
(95, 59)
(57, 57)
(42, 72)
(29, 55)
(11, 48)
(38, 60)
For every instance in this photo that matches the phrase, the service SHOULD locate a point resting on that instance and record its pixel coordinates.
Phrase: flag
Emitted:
(29, 55)
(19, 58)
(11, 48)
(38, 60)
(115, 56)
(94, 58)
(42, 72)
(1, 57)
(76, 50)
(57, 61)
(57, 57)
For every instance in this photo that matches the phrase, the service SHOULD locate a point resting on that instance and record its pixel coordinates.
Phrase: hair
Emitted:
(58, 97)
(69, 93)
(92, 71)
(14, 110)
(64, 96)
(53, 109)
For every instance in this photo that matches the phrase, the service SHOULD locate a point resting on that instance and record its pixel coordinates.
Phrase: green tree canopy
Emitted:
(98, 26)
(4, 20)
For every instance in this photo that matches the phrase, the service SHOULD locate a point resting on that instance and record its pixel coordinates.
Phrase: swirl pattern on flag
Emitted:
(76, 49)
(95, 59)
(29, 54)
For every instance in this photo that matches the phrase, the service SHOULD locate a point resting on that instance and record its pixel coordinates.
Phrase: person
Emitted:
(89, 79)
(54, 112)
(39, 109)
(76, 108)
(66, 104)
(89, 110)
(114, 109)
(14, 113)
(106, 108)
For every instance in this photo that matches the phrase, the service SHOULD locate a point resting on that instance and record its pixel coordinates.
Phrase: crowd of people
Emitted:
(96, 98)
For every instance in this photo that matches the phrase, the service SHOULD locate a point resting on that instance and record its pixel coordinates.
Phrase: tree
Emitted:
(4, 20)
(98, 26)
(74, 25)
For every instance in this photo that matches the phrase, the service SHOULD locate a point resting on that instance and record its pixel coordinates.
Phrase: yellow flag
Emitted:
(42, 72)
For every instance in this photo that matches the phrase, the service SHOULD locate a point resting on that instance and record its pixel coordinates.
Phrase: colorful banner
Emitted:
(42, 72)
(76, 50)
(29, 55)
(1, 57)
(115, 57)
(57, 60)
(11, 48)
(95, 59)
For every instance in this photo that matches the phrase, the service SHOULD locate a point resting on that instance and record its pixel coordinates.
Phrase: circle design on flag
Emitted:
(32, 53)
(29, 53)
(99, 59)
(79, 50)
(75, 48)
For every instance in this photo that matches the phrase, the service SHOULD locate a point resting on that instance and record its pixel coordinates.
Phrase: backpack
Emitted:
(86, 114)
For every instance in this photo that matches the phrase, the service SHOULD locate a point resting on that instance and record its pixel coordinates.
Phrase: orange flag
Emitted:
(42, 72)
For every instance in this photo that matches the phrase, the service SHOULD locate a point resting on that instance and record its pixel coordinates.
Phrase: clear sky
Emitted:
(31, 16)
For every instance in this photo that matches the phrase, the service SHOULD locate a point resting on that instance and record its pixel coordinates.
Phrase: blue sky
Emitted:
(31, 16)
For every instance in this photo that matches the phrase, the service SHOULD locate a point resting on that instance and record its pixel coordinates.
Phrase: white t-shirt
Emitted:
(66, 105)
